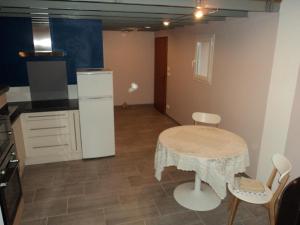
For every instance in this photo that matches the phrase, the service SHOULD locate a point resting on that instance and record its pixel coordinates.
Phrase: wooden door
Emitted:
(160, 76)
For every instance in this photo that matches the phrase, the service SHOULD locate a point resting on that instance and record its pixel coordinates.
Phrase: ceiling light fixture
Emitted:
(203, 9)
(166, 23)
(147, 27)
(199, 12)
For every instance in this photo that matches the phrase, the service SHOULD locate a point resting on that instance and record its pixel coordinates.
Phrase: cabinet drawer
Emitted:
(37, 128)
(43, 146)
(46, 115)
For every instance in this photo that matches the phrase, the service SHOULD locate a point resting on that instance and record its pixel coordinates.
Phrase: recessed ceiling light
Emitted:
(147, 27)
(166, 23)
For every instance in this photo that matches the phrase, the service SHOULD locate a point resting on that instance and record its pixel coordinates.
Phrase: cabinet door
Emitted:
(38, 128)
(51, 136)
(43, 116)
(19, 141)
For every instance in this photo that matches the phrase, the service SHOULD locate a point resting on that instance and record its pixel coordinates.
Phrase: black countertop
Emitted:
(41, 106)
(3, 89)
(44, 106)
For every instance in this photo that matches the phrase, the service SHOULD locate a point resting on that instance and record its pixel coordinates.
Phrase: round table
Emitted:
(216, 155)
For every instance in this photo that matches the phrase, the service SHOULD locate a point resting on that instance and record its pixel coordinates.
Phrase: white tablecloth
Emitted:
(216, 155)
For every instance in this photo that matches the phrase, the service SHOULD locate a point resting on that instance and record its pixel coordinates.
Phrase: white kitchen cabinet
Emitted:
(51, 136)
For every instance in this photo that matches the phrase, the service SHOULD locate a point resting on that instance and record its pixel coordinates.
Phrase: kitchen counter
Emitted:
(45, 106)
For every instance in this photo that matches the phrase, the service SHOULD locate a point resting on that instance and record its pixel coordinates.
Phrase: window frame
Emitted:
(211, 40)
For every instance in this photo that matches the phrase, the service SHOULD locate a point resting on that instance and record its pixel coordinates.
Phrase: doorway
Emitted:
(160, 73)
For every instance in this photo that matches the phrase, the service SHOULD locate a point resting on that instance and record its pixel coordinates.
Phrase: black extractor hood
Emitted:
(41, 40)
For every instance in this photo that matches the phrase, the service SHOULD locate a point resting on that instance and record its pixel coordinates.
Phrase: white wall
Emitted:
(282, 87)
(293, 140)
(131, 56)
(244, 50)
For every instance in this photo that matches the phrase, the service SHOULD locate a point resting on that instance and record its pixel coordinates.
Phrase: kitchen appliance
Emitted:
(6, 138)
(96, 109)
(10, 184)
(42, 40)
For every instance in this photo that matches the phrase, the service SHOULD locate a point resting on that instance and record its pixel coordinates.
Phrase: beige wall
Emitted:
(131, 56)
(293, 140)
(282, 86)
(244, 50)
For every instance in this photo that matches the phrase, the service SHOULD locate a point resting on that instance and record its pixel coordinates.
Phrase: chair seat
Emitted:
(252, 197)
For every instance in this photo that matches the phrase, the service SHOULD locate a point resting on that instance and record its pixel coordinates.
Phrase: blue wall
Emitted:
(16, 35)
(81, 40)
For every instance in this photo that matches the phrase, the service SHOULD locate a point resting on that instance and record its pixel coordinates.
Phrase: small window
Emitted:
(203, 61)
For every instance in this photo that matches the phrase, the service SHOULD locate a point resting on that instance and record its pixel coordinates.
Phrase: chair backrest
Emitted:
(283, 167)
(282, 164)
(206, 118)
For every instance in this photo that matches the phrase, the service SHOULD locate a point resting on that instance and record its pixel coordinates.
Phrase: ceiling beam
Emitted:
(176, 6)
(95, 6)
(129, 16)
(249, 5)
(71, 12)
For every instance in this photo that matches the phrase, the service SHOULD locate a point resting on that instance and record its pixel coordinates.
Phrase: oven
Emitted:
(6, 137)
(10, 186)
(10, 183)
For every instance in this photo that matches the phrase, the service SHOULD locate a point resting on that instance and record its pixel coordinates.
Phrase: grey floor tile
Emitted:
(140, 222)
(120, 190)
(72, 179)
(107, 184)
(168, 205)
(221, 214)
(41, 210)
(35, 222)
(58, 192)
(169, 187)
(185, 218)
(129, 213)
(85, 218)
(259, 220)
(90, 202)
(141, 194)
(140, 180)
(28, 195)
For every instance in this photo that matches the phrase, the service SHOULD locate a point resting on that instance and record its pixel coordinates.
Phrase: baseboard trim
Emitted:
(132, 106)
(171, 118)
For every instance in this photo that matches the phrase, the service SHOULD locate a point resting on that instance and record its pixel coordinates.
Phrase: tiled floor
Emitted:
(120, 189)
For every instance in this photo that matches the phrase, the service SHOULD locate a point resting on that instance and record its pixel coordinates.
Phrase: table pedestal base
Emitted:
(190, 196)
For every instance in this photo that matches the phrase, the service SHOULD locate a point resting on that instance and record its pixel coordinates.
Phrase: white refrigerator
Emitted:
(96, 110)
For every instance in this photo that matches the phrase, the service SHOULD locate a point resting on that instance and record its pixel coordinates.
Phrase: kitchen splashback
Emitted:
(48, 80)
